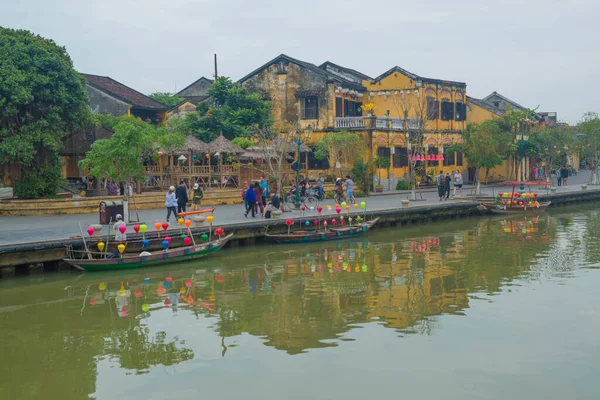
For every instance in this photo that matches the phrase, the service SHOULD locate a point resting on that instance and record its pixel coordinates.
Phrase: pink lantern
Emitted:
(441, 157)
(338, 210)
(316, 221)
(333, 221)
(289, 222)
(319, 209)
(122, 229)
(168, 239)
(188, 282)
(90, 231)
(303, 208)
(421, 157)
(187, 241)
(410, 157)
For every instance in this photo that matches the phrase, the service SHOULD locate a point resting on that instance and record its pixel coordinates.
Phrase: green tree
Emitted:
(484, 146)
(339, 148)
(589, 138)
(552, 145)
(243, 142)
(42, 99)
(168, 99)
(230, 110)
(121, 156)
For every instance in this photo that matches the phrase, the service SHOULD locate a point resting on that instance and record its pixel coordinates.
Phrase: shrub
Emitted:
(39, 181)
(402, 185)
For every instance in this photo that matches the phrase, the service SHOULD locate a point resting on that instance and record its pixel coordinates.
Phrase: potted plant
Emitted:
(369, 108)
(382, 163)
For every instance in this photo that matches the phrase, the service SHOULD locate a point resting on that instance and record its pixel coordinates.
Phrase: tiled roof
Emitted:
(344, 69)
(416, 77)
(122, 92)
(485, 106)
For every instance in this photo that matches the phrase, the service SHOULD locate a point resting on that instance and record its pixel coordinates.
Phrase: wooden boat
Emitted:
(160, 257)
(506, 209)
(505, 205)
(337, 233)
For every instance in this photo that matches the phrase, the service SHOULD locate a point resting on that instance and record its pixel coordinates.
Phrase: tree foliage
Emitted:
(340, 148)
(589, 129)
(484, 145)
(552, 145)
(42, 99)
(230, 110)
(168, 99)
(121, 156)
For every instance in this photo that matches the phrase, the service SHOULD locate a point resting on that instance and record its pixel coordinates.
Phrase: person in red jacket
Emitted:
(259, 204)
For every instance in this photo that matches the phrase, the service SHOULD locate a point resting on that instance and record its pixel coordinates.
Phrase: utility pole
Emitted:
(216, 74)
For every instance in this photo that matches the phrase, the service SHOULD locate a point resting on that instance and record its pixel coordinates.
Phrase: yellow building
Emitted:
(383, 111)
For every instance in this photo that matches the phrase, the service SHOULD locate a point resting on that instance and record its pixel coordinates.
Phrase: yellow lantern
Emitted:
(121, 248)
(100, 246)
(180, 221)
(210, 219)
(102, 286)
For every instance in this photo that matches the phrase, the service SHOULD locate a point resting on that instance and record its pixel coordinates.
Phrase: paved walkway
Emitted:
(39, 228)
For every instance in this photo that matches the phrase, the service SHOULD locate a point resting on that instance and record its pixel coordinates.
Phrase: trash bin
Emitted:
(109, 210)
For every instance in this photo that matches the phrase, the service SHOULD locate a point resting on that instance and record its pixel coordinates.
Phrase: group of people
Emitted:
(256, 197)
(562, 176)
(177, 199)
(444, 183)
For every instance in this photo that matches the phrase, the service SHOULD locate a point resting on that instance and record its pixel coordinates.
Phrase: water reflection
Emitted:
(295, 298)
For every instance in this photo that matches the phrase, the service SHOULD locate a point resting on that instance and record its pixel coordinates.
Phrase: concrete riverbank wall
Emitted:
(37, 257)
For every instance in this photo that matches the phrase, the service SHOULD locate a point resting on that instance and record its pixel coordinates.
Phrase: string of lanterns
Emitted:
(429, 157)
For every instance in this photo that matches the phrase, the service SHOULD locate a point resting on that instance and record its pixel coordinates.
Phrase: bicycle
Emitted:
(308, 200)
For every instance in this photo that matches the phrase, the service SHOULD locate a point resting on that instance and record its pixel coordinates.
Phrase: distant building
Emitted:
(499, 101)
(196, 91)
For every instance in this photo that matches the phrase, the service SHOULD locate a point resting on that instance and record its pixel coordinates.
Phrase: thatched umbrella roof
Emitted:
(196, 145)
(222, 145)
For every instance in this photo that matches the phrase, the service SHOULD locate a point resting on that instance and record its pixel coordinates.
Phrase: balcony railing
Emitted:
(395, 124)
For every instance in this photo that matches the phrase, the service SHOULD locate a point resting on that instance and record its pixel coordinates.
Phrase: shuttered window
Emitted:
(459, 159)
(447, 111)
(400, 157)
(310, 108)
(448, 157)
(383, 152)
(433, 108)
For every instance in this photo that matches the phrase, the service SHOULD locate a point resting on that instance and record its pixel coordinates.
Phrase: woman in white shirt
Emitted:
(458, 182)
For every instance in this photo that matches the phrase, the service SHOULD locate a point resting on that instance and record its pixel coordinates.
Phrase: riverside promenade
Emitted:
(19, 230)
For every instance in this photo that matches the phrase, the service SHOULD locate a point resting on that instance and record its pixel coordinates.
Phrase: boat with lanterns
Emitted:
(86, 260)
(514, 202)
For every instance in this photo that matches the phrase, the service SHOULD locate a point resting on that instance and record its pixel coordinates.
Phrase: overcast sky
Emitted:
(535, 52)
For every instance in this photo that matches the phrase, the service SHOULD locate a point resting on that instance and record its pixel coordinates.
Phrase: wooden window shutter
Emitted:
(338, 107)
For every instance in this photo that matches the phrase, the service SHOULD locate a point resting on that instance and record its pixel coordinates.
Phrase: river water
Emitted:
(491, 308)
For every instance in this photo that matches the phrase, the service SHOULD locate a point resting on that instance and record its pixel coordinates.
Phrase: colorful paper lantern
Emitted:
(187, 241)
(160, 153)
(136, 228)
(143, 228)
(204, 237)
(168, 239)
(145, 307)
(102, 286)
(121, 249)
(165, 226)
(343, 204)
(165, 244)
(303, 208)
(122, 229)
(145, 243)
(157, 226)
(188, 282)
(289, 222)
(100, 246)
(363, 205)
(90, 231)
(188, 222)
(210, 219)
(180, 221)
(319, 209)
(307, 223)
(138, 293)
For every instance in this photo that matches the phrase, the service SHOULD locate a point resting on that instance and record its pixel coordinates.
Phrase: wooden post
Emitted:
(221, 169)
(209, 172)
(190, 159)
(160, 173)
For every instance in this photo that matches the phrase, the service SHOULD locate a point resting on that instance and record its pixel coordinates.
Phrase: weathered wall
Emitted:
(196, 89)
(102, 103)
(280, 85)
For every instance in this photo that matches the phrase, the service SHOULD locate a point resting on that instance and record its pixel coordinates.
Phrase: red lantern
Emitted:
(441, 157)
(165, 226)
(160, 153)
(136, 228)
(410, 157)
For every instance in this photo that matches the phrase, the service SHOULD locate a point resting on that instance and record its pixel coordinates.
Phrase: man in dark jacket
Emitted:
(182, 197)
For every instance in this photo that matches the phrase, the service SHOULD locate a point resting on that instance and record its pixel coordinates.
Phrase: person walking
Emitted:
(258, 206)
(182, 197)
(197, 196)
(564, 174)
(447, 181)
(264, 187)
(558, 178)
(250, 198)
(440, 184)
(349, 189)
(320, 186)
(458, 182)
(171, 203)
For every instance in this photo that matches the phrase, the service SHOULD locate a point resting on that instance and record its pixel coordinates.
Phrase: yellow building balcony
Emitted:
(381, 123)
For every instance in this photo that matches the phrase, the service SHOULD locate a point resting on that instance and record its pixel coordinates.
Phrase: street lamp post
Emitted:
(522, 138)
(301, 136)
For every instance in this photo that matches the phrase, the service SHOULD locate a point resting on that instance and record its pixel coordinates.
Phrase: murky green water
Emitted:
(473, 309)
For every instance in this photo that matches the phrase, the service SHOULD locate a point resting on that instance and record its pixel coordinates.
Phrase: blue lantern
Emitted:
(307, 223)
(146, 280)
(145, 243)
(165, 244)
(195, 156)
